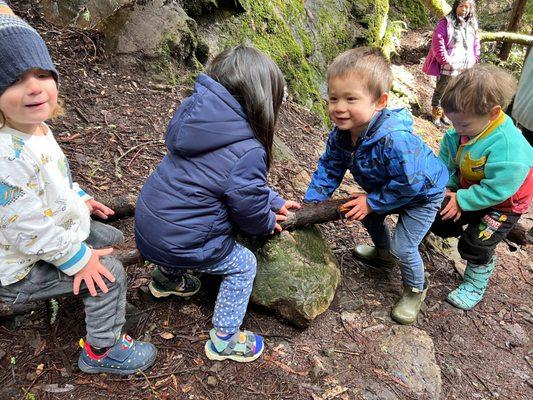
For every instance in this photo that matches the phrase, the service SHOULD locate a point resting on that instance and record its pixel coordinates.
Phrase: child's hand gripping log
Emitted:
(283, 213)
(356, 209)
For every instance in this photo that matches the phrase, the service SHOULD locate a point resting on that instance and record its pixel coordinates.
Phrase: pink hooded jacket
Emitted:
(441, 47)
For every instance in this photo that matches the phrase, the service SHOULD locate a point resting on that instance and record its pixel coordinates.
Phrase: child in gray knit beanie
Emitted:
(21, 49)
(49, 247)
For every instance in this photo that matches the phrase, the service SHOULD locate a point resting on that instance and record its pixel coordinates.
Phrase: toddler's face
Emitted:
(30, 100)
(467, 124)
(350, 105)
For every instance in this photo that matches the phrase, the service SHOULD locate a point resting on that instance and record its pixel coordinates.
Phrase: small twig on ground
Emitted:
(152, 388)
(81, 114)
(177, 372)
(117, 160)
(351, 353)
(204, 387)
(524, 277)
(484, 384)
(26, 391)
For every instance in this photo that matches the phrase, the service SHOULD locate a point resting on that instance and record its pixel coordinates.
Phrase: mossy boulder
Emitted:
(302, 37)
(297, 275)
(80, 13)
(158, 37)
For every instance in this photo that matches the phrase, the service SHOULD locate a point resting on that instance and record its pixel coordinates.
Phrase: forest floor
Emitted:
(113, 135)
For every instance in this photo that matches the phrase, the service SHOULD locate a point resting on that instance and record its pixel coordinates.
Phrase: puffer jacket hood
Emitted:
(207, 121)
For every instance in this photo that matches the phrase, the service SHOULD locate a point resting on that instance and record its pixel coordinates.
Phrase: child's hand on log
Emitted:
(283, 213)
(451, 208)
(357, 209)
(92, 273)
(99, 209)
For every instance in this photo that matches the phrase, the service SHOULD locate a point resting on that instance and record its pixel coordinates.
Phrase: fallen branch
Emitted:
(309, 214)
(124, 207)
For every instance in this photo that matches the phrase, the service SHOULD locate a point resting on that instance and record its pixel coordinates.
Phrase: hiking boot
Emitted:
(375, 256)
(436, 115)
(126, 357)
(471, 291)
(406, 310)
(242, 346)
(164, 285)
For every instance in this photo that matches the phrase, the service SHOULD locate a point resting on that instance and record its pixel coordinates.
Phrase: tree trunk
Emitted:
(510, 37)
(519, 8)
(439, 8)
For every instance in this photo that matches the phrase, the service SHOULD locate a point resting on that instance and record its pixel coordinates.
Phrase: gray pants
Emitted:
(104, 313)
(442, 81)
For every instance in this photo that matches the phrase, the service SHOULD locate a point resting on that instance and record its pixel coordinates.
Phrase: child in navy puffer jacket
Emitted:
(214, 179)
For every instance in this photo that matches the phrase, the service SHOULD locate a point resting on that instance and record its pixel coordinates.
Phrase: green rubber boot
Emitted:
(406, 310)
(471, 291)
(374, 255)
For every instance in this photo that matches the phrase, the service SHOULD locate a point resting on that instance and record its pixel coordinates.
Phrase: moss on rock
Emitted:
(293, 36)
(411, 12)
(296, 275)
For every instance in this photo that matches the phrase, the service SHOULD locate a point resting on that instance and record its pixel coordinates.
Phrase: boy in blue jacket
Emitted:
(398, 171)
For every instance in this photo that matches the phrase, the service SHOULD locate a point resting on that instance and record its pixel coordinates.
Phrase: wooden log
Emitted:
(318, 213)
(124, 207)
(10, 310)
(309, 214)
(331, 210)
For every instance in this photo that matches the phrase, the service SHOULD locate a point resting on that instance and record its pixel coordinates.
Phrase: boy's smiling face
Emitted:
(350, 104)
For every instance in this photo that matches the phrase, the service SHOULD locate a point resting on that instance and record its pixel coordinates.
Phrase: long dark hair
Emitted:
(471, 18)
(257, 83)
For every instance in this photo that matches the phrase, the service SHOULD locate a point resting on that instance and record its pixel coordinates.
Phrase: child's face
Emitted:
(350, 105)
(463, 9)
(30, 100)
(471, 125)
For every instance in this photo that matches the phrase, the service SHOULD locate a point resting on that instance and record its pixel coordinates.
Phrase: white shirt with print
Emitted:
(43, 215)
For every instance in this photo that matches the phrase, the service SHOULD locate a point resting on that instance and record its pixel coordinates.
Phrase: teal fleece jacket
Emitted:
(491, 169)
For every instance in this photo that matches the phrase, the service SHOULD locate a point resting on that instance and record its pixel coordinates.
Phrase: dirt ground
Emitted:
(113, 134)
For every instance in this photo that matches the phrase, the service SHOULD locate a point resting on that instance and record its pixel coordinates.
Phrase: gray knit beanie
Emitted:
(21, 49)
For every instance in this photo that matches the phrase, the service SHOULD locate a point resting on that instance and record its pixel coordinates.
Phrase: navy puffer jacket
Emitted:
(212, 179)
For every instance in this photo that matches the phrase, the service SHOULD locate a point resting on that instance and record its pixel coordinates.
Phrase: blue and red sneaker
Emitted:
(126, 357)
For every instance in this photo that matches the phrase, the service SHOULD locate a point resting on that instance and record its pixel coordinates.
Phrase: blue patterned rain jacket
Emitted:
(393, 165)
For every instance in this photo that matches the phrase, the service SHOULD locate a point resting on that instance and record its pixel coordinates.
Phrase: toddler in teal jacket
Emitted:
(491, 180)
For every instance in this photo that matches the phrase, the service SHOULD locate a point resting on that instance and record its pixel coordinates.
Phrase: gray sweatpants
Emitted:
(104, 313)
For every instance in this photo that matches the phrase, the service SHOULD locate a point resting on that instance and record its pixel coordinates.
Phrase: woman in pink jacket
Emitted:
(454, 48)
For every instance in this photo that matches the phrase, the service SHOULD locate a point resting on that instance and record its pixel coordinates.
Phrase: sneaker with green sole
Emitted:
(162, 285)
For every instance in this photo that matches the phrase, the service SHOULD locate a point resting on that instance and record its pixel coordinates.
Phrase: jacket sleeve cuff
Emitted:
(75, 260)
(375, 205)
(83, 195)
(276, 201)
